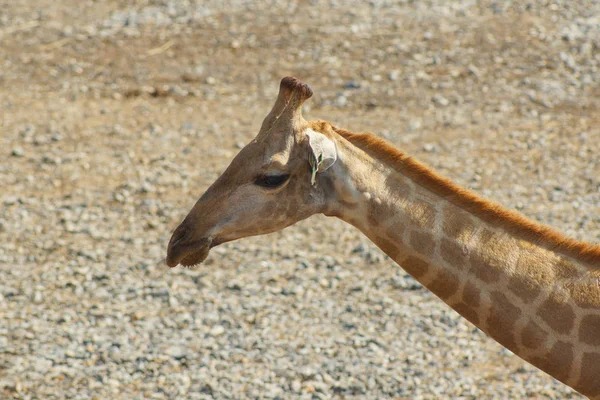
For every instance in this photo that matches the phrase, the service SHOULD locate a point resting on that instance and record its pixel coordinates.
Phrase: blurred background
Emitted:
(115, 116)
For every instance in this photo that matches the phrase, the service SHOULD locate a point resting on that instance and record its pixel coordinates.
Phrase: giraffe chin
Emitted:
(195, 258)
(198, 256)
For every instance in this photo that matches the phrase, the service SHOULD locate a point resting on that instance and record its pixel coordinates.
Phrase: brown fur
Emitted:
(486, 210)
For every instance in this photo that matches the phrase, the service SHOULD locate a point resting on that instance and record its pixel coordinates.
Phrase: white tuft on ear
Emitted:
(323, 153)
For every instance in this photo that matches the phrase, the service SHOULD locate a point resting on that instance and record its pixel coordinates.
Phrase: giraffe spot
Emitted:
(589, 383)
(589, 330)
(471, 294)
(415, 266)
(469, 313)
(377, 214)
(486, 236)
(557, 362)
(533, 336)
(388, 247)
(489, 260)
(396, 231)
(525, 288)
(380, 213)
(458, 224)
(402, 186)
(533, 265)
(558, 313)
(444, 285)
(452, 253)
(421, 214)
(585, 294)
(501, 320)
(566, 269)
(485, 273)
(422, 242)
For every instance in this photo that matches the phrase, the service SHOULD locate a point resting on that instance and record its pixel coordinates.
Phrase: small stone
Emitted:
(296, 386)
(10, 200)
(359, 249)
(17, 152)
(114, 383)
(341, 101)
(351, 85)
(177, 91)
(430, 148)
(38, 297)
(217, 330)
(586, 48)
(414, 125)
(309, 387)
(440, 100)
(176, 352)
(42, 365)
(56, 136)
(307, 372)
(394, 75)
(147, 188)
(475, 71)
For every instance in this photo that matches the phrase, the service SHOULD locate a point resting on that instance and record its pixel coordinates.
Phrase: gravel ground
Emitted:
(116, 115)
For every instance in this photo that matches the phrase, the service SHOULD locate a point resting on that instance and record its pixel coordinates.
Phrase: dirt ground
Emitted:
(115, 116)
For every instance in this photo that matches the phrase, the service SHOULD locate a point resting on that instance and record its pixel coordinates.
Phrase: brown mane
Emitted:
(488, 211)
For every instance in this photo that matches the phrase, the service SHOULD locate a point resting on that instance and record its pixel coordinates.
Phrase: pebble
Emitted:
(430, 148)
(351, 85)
(440, 100)
(217, 331)
(394, 75)
(341, 101)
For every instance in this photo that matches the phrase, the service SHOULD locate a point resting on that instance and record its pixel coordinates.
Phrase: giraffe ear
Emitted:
(323, 152)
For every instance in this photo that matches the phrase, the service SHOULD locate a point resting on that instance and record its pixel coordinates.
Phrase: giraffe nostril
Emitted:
(179, 236)
(177, 239)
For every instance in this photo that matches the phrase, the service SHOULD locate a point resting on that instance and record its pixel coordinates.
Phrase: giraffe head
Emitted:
(269, 185)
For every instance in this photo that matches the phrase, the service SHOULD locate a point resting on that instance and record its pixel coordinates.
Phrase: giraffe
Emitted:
(527, 286)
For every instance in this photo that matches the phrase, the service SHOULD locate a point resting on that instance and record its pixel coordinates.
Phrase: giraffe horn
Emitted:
(287, 109)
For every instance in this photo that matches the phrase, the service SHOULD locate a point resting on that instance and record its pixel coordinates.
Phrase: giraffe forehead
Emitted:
(276, 161)
(276, 149)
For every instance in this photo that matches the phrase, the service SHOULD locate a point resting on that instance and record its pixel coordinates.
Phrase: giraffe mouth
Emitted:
(189, 254)
(201, 254)
(195, 258)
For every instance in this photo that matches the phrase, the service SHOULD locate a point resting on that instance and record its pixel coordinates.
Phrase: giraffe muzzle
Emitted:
(187, 252)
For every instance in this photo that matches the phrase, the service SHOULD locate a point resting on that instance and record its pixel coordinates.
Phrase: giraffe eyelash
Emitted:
(271, 181)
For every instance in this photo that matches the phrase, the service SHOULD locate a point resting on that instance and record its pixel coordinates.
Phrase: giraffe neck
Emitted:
(542, 305)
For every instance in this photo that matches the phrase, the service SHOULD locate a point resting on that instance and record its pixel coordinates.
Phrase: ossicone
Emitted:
(293, 86)
(287, 111)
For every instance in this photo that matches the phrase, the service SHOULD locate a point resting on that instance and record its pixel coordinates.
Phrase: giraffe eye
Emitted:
(271, 181)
